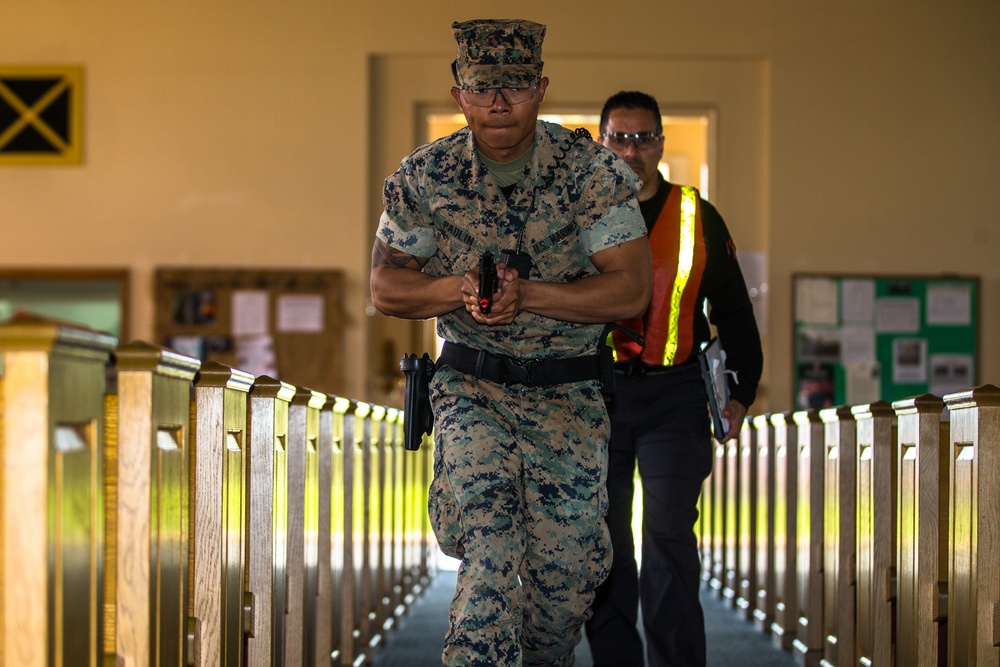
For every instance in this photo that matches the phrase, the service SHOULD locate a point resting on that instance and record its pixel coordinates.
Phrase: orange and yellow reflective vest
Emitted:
(678, 247)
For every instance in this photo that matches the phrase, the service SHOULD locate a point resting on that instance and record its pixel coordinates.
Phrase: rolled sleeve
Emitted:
(610, 215)
(405, 224)
(623, 222)
(415, 240)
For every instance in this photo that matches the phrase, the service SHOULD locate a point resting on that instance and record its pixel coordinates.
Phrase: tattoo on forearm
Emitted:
(386, 255)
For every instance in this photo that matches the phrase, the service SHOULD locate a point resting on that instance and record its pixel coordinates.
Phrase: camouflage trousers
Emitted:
(519, 496)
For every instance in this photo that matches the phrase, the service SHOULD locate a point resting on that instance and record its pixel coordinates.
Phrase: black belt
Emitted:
(509, 371)
(634, 367)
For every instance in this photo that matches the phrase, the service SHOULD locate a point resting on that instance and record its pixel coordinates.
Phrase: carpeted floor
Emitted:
(732, 642)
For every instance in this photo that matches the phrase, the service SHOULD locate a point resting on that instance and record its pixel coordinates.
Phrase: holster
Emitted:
(608, 355)
(418, 417)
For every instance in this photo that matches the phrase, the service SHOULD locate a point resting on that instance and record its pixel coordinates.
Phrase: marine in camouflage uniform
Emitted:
(518, 491)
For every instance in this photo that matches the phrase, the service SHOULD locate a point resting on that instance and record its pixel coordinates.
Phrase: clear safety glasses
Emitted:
(486, 96)
(621, 140)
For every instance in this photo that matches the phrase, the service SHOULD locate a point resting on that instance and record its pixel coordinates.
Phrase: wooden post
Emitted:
(151, 513)
(389, 552)
(808, 642)
(426, 542)
(719, 502)
(922, 548)
(763, 612)
(322, 627)
(303, 524)
(358, 622)
(706, 521)
(341, 584)
(785, 539)
(731, 544)
(376, 526)
(397, 485)
(876, 542)
(974, 542)
(747, 522)
(411, 517)
(267, 512)
(840, 536)
(220, 613)
(51, 493)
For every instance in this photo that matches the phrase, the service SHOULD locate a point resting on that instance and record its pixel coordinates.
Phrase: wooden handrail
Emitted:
(189, 511)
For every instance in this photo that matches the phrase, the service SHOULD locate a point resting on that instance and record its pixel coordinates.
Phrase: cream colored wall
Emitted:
(855, 136)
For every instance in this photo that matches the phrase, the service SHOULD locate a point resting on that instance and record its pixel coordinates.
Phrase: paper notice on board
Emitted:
(950, 373)
(249, 312)
(192, 346)
(301, 313)
(816, 301)
(949, 304)
(255, 355)
(909, 361)
(863, 383)
(857, 299)
(897, 315)
(857, 345)
(818, 344)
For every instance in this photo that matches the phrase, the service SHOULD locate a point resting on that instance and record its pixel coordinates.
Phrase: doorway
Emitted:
(688, 153)
(688, 140)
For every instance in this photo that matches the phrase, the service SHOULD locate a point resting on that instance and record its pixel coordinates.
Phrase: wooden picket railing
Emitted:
(867, 535)
(155, 510)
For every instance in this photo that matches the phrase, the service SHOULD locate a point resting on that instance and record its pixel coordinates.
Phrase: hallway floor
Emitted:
(732, 642)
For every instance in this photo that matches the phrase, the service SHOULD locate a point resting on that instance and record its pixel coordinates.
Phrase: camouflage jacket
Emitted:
(574, 199)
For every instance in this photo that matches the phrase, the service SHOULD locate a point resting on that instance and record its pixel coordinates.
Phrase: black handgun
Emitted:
(487, 282)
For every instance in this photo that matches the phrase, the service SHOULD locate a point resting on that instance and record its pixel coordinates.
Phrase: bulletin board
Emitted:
(858, 339)
(287, 324)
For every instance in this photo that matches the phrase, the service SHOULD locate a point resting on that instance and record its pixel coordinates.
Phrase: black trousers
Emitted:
(659, 421)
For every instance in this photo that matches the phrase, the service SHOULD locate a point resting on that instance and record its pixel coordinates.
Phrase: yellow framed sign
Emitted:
(41, 115)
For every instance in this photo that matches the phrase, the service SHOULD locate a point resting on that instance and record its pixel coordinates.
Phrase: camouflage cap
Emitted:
(498, 53)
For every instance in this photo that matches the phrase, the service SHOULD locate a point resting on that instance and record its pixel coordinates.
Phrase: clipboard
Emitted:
(712, 360)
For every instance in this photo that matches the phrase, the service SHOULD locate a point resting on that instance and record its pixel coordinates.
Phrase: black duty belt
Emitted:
(510, 371)
(634, 367)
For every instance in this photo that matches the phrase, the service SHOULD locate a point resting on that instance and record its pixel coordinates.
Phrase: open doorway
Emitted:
(407, 88)
(688, 140)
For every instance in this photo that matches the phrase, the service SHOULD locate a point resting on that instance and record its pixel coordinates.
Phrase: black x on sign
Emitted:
(40, 115)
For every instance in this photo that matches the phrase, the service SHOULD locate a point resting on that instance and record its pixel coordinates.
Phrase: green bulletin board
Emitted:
(859, 339)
